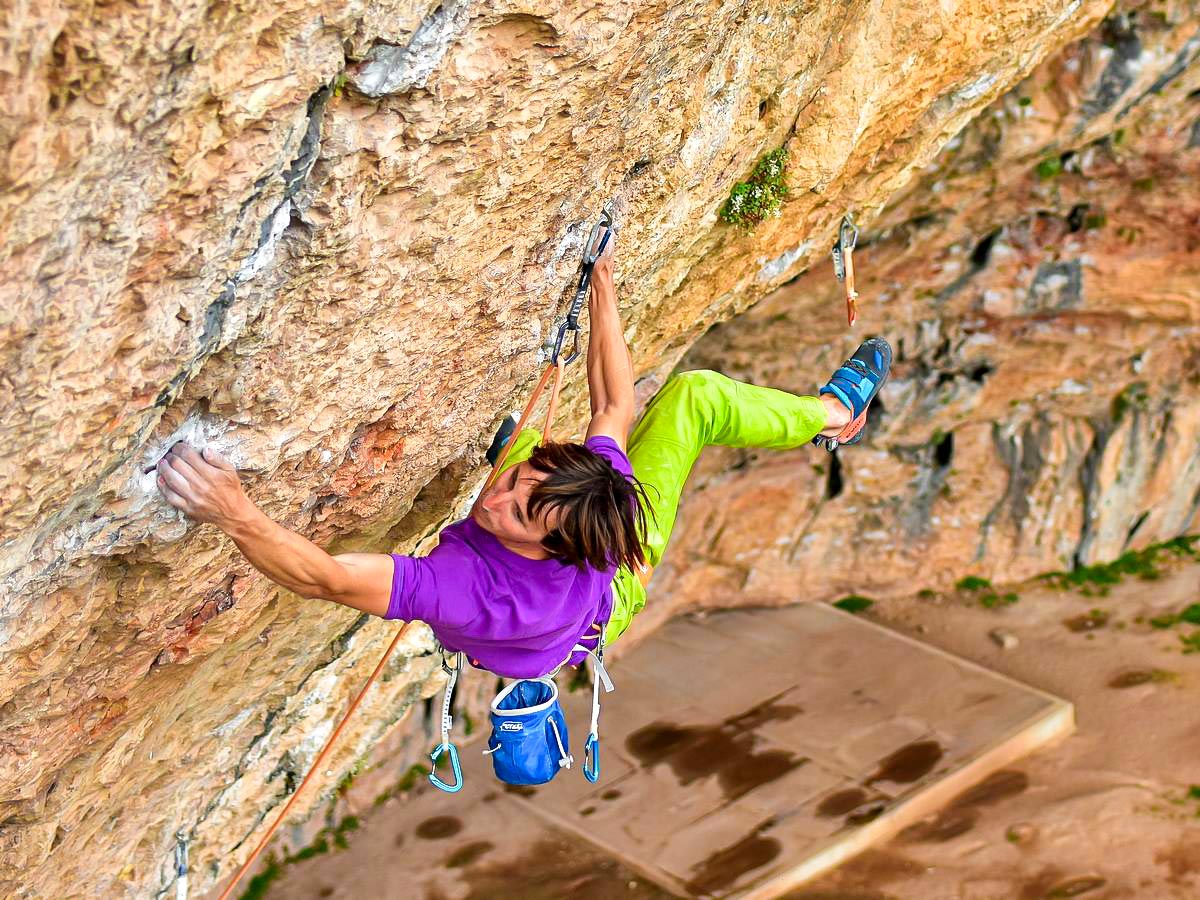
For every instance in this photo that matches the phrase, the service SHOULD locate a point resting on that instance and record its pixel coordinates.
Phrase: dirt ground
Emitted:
(1107, 813)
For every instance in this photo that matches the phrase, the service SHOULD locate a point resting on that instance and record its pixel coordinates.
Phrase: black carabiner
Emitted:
(591, 253)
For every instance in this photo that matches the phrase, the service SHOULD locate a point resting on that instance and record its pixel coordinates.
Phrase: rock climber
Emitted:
(563, 542)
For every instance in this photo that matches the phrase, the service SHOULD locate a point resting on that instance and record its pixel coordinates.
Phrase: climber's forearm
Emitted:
(205, 486)
(289, 560)
(296, 563)
(610, 367)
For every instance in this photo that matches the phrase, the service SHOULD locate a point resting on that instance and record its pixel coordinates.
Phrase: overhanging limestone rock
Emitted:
(398, 310)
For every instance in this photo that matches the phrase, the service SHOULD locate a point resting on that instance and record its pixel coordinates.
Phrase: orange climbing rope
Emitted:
(316, 764)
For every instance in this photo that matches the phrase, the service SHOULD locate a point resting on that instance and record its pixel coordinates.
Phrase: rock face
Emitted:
(328, 239)
(1040, 283)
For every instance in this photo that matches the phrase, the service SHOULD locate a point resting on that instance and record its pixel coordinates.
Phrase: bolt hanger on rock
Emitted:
(843, 264)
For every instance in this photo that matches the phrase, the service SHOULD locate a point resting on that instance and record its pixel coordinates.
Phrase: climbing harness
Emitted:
(529, 743)
(843, 264)
(554, 371)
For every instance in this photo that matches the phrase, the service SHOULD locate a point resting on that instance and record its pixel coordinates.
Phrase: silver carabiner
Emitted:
(843, 264)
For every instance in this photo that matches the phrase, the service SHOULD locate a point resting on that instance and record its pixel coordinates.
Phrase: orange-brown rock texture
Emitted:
(1040, 282)
(329, 239)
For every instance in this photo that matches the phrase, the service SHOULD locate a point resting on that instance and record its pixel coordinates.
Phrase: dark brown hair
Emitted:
(601, 521)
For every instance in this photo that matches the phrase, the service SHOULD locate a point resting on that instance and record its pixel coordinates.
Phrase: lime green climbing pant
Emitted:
(690, 412)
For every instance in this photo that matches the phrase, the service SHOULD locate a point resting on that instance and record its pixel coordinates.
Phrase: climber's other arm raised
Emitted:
(609, 366)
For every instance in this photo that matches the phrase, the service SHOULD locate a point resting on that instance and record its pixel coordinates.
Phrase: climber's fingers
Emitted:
(215, 459)
(169, 472)
(171, 497)
(189, 462)
(181, 477)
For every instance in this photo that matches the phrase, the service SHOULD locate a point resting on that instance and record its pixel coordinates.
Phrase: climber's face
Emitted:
(503, 509)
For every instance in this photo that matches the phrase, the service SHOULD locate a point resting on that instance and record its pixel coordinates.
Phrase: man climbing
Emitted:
(563, 541)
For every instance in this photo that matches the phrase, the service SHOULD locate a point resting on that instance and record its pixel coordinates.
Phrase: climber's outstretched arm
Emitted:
(609, 365)
(206, 487)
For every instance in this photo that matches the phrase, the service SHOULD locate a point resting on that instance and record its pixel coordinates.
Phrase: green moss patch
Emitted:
(972, 583)
(1191, 642)
(1049, 167)
(761, 195)
(992, 600)
(1133, 396)
(256, 887)
(854, 603)
(1144, 564)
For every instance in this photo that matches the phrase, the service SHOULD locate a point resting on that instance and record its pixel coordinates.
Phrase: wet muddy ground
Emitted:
(1108, 813)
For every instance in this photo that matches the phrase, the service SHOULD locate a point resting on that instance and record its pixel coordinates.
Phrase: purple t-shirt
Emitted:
(514, 616)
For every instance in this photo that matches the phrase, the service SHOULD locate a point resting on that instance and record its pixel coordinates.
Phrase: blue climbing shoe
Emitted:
(855, 383)
(503, 433)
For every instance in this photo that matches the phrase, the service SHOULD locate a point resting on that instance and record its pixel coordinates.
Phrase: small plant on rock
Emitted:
(854, 603)
(761, 195)
(972, 583)
(992, 600)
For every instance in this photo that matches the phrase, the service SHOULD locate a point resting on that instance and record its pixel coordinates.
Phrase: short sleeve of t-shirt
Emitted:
(437, 589)
(603, 445)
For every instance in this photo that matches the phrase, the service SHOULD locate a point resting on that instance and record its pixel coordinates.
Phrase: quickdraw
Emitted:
(843, 264)
(598, 240)
(569, 324)
(447, 725)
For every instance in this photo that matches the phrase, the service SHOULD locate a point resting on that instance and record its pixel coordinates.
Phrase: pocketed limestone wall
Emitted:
(1040, 284)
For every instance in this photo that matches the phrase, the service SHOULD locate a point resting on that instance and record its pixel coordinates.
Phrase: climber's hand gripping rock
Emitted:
(204, 485)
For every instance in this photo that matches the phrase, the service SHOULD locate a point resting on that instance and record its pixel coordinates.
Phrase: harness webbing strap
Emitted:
(599, 677)
(448, 697)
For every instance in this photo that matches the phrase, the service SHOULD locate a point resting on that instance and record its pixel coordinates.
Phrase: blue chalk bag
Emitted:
(529, 742)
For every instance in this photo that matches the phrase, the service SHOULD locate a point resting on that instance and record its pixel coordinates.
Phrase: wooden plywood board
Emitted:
(749, 752)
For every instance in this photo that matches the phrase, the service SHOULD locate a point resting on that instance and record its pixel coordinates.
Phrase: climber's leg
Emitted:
(699, 408)
(696, 409)
(691, 411)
